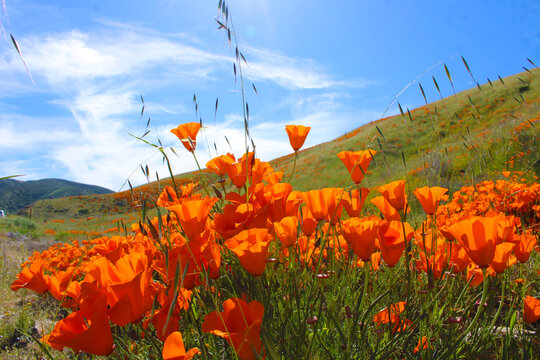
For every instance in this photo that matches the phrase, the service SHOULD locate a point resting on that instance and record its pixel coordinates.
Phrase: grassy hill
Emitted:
(15, 194)
(462, 139)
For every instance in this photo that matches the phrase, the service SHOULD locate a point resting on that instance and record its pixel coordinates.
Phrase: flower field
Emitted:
(411, 237)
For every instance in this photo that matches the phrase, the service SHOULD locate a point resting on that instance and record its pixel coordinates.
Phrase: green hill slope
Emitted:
(462, 139)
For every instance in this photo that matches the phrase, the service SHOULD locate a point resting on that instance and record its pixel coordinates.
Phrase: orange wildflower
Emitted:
(287, 231)
(394, 192)
(240, 324)
(502, 258)
(361, 235)
(478, 235)
(422, 344)
(384, 206)
(297, 135)
(531, 309)
(356, 162)
(73, 331)
(251, 247)
(392, 241)
(429, 197)
(193, 214)
(524, 247)
(354, 202)
(391, 315)
(174, 349)
(218, 165)
(32, 278)
(187, 133)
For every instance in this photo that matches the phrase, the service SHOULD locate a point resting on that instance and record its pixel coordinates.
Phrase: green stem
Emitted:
(471, 326)
(294, 166)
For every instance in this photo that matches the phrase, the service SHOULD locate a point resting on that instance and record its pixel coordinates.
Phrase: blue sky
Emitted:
(332, 66)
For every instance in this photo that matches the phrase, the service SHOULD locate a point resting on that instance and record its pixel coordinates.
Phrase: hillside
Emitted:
(15, 194)
(461, 139)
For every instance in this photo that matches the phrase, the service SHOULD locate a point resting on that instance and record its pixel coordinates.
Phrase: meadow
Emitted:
(413, 236)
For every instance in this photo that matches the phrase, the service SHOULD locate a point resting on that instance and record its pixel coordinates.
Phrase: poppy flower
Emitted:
(193, 214)
(392, 315)
(429, 197)
(287, 230)
(32, 278)
(240, 324)
(524, 247)
(92, 335)
(354, 202)
(384, 206)
(361, 235)
(324, 204)
(356, 162)
(478, 235)
(502, 258)
(297, 135)
(218, 165)
(187, 133)
(393, 241)
(174, 349)
(422, 344)
(251, 247)
(394, 192)
(531, 309)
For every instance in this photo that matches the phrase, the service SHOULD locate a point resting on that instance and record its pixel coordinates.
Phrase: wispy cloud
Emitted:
(97, 77)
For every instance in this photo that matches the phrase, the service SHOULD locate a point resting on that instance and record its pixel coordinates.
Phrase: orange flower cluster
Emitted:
(148, 277)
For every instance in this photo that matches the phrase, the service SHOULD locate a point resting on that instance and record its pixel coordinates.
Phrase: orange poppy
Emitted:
(174, 349)
(392, 315)
(386, 208)
(394, 192)
(422, 344)
(218, 165)
(287, 231)
(92, 335)
(193, 214)
(32, 278)
(324, 204)
(251, 247)
(478, 235)
(524, 247)
(429, 197)
(354, 202)
(297, 135)
(361, 235)
(392, 241)
(357, 162)
(502, 258)
(240, 324)
(531, 309)
(187, 133)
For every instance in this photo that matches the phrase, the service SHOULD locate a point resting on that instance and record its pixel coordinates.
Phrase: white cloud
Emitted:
(97, 77)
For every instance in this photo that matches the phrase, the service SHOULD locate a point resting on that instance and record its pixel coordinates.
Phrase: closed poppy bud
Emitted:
(187, 133)
(297, 135)
(531, 309)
